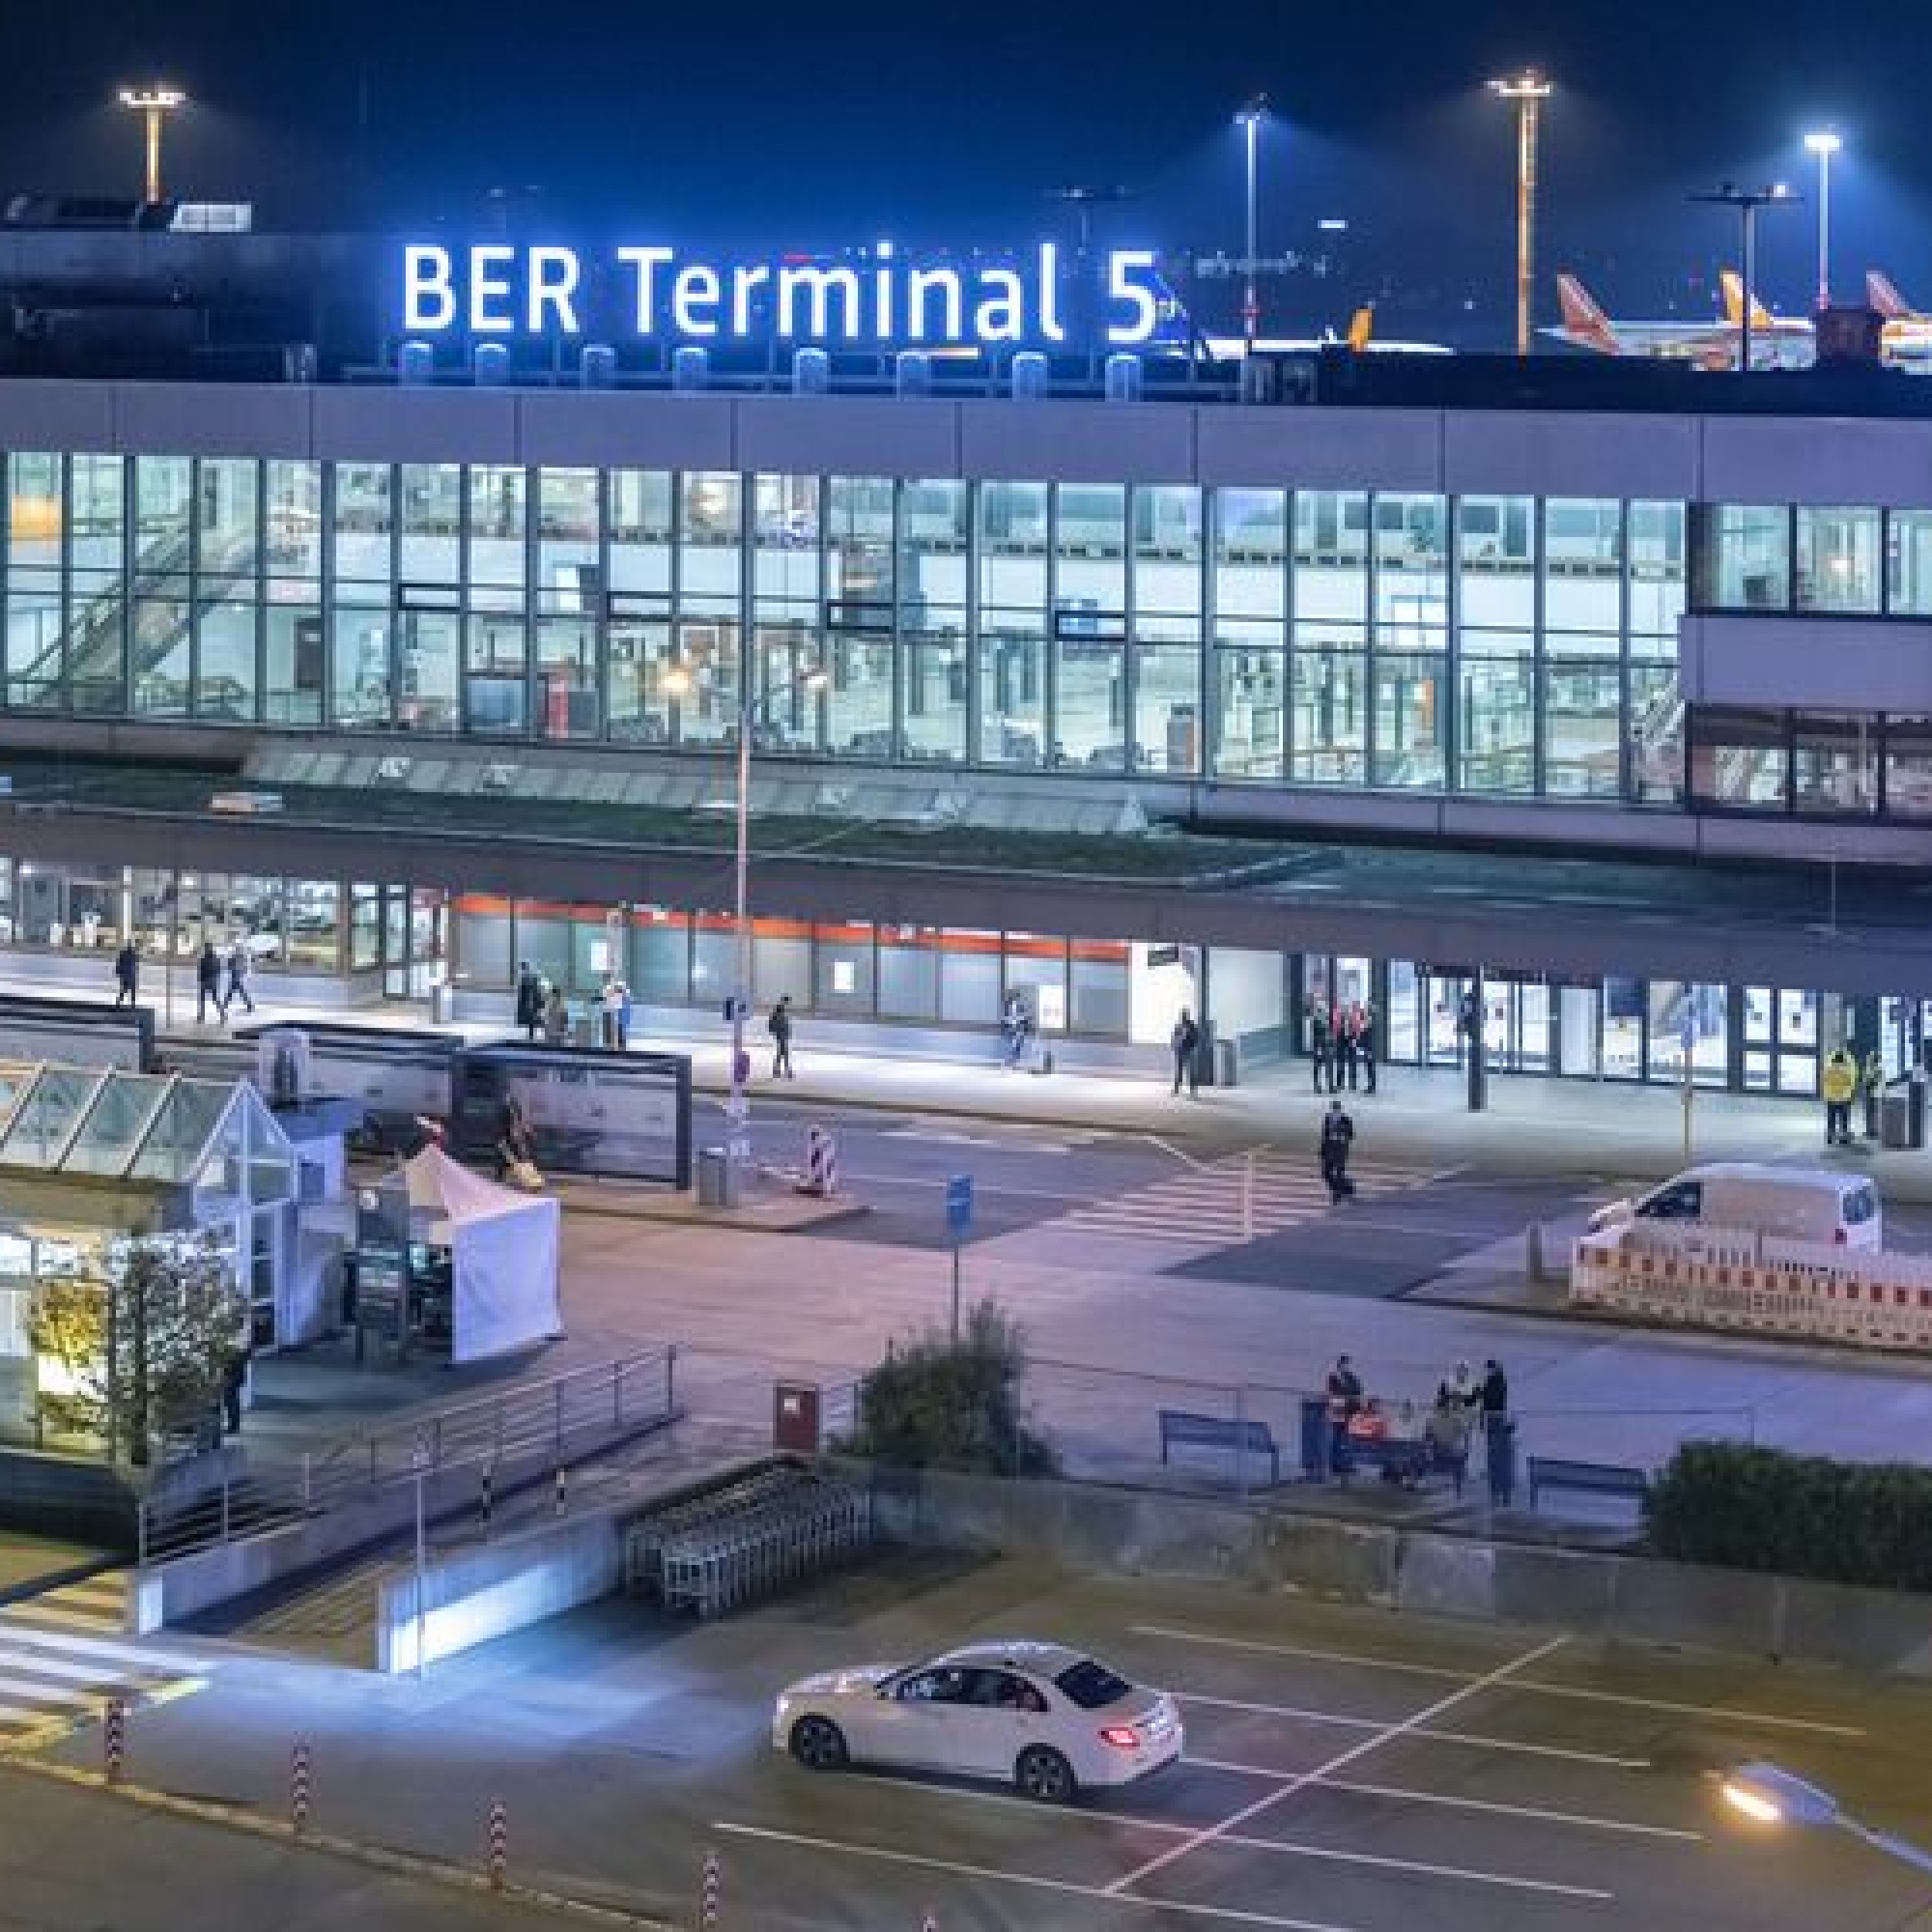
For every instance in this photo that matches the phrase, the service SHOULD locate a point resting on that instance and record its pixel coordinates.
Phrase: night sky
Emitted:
(833, 124)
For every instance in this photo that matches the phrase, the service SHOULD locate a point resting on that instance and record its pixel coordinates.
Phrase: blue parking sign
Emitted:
(958, 1205)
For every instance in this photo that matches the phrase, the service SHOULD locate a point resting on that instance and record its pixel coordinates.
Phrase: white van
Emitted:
(1790, 1204)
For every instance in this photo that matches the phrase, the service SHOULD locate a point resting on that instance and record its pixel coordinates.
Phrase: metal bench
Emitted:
(1180, 1427)
(1604, 1479)
(1401, 1459)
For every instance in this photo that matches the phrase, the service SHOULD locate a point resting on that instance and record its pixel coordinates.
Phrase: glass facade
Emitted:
(1508, 646)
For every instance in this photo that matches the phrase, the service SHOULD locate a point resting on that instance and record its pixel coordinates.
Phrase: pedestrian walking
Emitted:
(625, 1009)
(233, 1383)
(1468, 1027)
(1492, 1393)
(1344, 1031)
(126, 975)
(1015, 1028)
(1318, 1043)
(238, 963)
(1871, 1090)
(610, 1013)
(1338, 1136)
(1839, 1084)
(208, 983)
(1365, 1043)
(529, 999)
(555, 1019)
(1185, 1040)
(779, 1026)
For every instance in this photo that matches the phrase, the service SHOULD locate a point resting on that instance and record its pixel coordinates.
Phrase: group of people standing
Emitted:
(1463, 1402)
(543, 1012)
(1342, 1045)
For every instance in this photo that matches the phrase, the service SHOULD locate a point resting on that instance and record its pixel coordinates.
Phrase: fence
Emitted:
(1733, 1279)
(1105, 1425)
(553, 1420)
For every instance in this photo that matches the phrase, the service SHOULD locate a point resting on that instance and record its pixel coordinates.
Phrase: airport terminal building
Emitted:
(1123, 701)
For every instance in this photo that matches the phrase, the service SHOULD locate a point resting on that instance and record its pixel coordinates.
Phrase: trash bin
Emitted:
(795, 1418)
(1895, 1121)
(1227, 1062)
(1499, 1446)
(716, 1185)
(1314, 1440)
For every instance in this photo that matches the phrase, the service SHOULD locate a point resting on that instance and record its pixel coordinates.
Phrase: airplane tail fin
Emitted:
(1882, 294)
(1361, 326)
(1583, 322)
(1733, 286)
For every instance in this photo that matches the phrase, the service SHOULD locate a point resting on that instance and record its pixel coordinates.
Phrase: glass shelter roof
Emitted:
(152, 1129)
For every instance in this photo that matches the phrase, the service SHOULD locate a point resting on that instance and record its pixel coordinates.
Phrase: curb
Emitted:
(239, 1817)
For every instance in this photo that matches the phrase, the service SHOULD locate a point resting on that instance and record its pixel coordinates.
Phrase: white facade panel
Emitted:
(1816, 459)
(848, 436)
(1808, 664)
(1570, 453)
(1322, 449)
(1078, 442)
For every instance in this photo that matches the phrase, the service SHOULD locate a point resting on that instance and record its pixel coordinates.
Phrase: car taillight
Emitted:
(1122, 1737)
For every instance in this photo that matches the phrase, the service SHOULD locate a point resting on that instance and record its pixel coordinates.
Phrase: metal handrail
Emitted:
(473, 1435)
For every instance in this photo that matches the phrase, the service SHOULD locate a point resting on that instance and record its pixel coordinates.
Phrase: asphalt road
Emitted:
(1345, 1770)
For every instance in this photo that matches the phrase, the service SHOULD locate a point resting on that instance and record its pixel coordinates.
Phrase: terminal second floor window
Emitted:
(1811, 559)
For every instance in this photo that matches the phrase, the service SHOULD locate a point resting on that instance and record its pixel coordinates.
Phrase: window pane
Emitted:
(1739, 757)
(1013, 694)
(1496, 552)
(1836, 765)
(1746, 565)
(1837, 559)
(229, 542)
(1249, 711)
(1329, 727)
(1909, 562)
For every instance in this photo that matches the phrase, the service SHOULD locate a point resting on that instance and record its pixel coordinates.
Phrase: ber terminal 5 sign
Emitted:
(660, 294)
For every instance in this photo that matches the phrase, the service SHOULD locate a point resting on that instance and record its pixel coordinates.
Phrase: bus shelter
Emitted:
(621, 1116)
(92, 1158)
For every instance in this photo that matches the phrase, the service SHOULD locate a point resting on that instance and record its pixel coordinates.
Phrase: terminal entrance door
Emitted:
(414, 921)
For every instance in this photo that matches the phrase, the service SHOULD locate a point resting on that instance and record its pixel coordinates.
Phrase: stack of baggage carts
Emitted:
(744, 1540)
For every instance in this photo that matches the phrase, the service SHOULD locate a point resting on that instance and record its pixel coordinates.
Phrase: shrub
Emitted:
(941, 1404)
(1748, 1508)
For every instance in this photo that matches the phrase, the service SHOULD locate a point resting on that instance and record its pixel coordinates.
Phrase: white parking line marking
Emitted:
(1580, 1693)
(1455, 1801)
(1289, 1847)
(1224, 1914)
(1515, 1746)
(1339, 1762)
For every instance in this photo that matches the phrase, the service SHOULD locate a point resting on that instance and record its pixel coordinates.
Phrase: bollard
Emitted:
(562, 1491)
(114, 1737)
(710, 1893)
(298, 1789)
(489, 1500)
(499, 1844)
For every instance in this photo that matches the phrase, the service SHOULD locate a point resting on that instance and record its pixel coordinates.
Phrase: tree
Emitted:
(954, 1403)
(147, 1352)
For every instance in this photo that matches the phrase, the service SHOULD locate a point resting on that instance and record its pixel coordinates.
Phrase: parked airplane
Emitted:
(1361, 337)
(1907, 335)
(1778, 342)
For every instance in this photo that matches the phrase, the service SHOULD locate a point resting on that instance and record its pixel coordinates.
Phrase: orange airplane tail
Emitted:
(1583, 322)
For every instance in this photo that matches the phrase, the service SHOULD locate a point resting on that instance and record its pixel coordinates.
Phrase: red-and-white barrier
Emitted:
(1735, 1282)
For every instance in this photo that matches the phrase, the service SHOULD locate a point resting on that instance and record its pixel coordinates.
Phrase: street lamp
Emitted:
(1528, 90)
(737, 1107)
(1249, 121)
(1748, 201)
(1823, 143)
(1768, 1794)
(154, 105)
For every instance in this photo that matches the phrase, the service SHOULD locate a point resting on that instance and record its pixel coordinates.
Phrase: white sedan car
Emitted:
(1050, 1718)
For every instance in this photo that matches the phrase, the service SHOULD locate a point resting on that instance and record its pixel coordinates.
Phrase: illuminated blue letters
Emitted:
(506, 288)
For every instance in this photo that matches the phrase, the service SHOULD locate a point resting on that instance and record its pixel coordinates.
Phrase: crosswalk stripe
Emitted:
(17, 1638)
(1230, 1199)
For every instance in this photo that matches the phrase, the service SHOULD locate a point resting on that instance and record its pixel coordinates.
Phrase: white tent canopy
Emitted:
(503, 1254)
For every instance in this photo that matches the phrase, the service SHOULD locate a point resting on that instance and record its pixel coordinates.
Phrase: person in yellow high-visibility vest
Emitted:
(1839, 1084)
